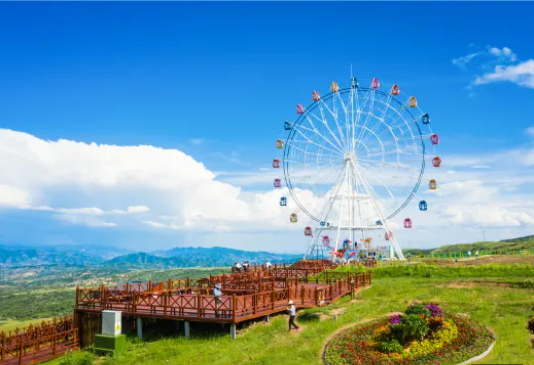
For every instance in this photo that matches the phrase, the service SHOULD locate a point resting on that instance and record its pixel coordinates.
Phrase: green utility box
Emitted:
(110, 344)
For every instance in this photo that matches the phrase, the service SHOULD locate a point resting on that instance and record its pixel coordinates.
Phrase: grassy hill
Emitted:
(521, 243)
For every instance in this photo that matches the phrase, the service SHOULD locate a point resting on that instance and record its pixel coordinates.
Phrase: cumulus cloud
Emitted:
(521, 74)
(69, 178)
(503, 64)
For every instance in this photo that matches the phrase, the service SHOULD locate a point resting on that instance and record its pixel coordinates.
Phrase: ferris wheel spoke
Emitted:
(369, 112)
(340, 152)
(324, 120)
(334, 115)
(340, 145)
(297, 129)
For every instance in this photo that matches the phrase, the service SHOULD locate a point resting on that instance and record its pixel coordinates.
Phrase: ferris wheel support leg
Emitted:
(346, 177)
(377, 210)
(311, 247)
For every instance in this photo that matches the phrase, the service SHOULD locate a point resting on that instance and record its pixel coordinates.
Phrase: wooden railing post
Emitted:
(199, 304)
(77, 297)
(273, 297)
(234, 306)
(302, 291)
(21, 350)
(54, 351)
(3, 353)
(165, 301)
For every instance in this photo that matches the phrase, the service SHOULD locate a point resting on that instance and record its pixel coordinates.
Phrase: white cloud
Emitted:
(530, 131)
(521, 74)
(12, 196)
(463, 61)
(160, 190)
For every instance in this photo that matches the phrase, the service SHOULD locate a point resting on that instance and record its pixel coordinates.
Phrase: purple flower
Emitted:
(394, 319)
(435, 310)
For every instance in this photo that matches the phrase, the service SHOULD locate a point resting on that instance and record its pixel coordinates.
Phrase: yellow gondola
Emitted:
(334, 87)
(433, 185)
(279, 143)
(412, 102)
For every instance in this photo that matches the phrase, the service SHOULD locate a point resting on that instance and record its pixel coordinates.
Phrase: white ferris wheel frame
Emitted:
(335, 148)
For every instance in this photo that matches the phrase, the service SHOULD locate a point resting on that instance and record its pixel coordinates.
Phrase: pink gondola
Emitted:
(276, 164)
(300, 109)
(307, 231)
(316, 96)
(395, 90)
(326, 241)
(277, 183)
(375, 84)
(407, 223)
(434, 139)
(436, 161)
(388, 236)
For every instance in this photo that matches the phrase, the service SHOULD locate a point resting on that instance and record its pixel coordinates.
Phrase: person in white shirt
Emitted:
(292, 311)
(238, 267)
(268, 264)
(468, 254)
(217, 293)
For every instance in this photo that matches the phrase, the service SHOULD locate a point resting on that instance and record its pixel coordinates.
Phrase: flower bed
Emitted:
(424, 334)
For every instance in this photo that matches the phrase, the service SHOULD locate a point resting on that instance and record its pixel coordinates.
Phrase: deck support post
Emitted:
(233, 331)
(139, 326)
(267, 319)
(187, 330)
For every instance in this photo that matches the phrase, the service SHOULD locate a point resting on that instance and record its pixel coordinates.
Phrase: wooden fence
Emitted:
(38, 343)
(234, 306)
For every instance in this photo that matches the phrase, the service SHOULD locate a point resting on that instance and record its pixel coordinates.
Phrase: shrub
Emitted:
(411, 327)
(418, 309)
(530, 325)
(391, 346)
(434, 323)
(77, 358)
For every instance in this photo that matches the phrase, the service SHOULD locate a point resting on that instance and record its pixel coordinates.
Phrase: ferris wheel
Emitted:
(352, 161)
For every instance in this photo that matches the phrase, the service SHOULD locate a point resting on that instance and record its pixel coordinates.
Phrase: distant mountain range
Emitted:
(199, 256)
(119, 258)
(18, 256)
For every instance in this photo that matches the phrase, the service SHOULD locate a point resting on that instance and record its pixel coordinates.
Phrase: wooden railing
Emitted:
(234, 305)
(38, 343)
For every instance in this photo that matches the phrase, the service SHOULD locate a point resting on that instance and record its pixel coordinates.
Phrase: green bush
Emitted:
(411, 327)
(77, 358)
(418, 309)
(391, 346)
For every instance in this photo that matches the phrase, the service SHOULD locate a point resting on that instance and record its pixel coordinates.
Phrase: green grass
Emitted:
(485, 246)
(428, 270)
(504, 310)
(11, 324)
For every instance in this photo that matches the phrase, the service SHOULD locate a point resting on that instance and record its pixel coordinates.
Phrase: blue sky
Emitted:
(216, 81)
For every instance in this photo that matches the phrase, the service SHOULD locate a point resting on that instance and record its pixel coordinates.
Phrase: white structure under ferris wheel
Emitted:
(353, 160)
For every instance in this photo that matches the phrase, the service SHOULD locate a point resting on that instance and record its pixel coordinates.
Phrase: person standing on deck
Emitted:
(268, 264)
(217, 293)
(238, 266)
(292, 311)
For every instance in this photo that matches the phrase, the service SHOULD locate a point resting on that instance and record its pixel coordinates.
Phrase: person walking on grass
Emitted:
(292, 311)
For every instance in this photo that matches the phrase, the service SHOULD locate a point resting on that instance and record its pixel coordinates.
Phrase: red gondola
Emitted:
(407, 223)
(316, 96)
(434, 139)
(375, 84)
(276, 164)
(307, 231)
(300, 109)
(436, 161)
(395, 90)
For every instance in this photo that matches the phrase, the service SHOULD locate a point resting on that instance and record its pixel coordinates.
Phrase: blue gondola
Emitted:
(287, 125)
(378, 223)
(283, 201)
(423, 206)
(426, 118)
(354, 83)
(322, 223)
